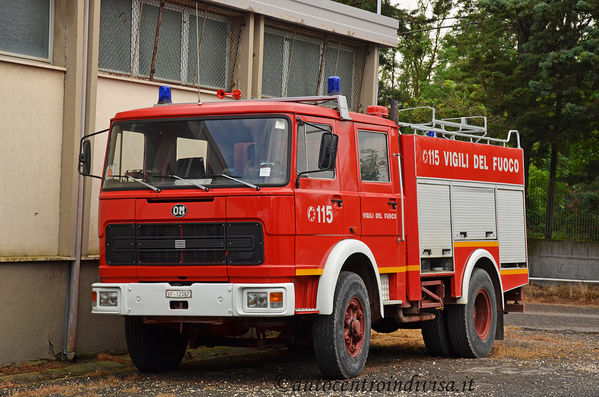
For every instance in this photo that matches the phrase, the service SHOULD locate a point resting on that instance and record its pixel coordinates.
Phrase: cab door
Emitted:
(318, 201)
(380, 202)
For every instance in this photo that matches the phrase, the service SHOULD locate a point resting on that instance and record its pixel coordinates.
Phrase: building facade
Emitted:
(67, 66)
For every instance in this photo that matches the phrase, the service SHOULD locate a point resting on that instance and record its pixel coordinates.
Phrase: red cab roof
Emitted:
(242, 107)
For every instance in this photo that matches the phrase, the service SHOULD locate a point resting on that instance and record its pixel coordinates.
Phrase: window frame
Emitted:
(51, 13)
(309, 175)
(387, 152)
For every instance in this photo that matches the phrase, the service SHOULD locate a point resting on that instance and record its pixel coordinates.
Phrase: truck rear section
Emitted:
(281, 222)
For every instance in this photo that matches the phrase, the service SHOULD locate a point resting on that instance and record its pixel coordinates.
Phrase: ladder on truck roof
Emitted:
(458, 127)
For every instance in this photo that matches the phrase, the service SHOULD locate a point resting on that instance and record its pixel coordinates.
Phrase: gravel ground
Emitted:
(533, 360)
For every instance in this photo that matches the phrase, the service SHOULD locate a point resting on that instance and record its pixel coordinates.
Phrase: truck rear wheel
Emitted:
(472, 326)
(154, 348)
(342, 339)
(436, 336)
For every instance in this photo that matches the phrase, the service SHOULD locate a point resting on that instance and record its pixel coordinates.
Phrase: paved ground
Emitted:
(557, 318)
(549, 351)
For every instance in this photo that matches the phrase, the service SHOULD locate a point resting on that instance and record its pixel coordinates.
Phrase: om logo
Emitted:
(179, 210)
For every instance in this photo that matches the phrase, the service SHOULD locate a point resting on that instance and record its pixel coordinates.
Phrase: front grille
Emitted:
(234, 243)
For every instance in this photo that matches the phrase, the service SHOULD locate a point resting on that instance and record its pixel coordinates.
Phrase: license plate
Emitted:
(178, 293)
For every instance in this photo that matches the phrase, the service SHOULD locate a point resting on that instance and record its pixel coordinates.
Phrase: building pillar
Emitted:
(90, 111)
(371, 66)
(246, 50)
(258, 56)
(70, 14)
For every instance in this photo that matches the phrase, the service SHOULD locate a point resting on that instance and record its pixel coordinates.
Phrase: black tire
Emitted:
(436, 336)
(330, 349)
(154, 348)
(385, 325)
(472, 337)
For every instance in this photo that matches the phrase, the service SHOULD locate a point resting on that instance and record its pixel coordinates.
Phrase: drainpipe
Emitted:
(70, 335)
(376, 95)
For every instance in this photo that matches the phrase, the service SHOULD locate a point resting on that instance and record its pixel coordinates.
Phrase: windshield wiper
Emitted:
(239, 181)
(198, 185)
(154, 188)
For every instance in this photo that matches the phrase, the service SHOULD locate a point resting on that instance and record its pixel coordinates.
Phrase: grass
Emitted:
(586, 294)
(518, 344)
(46, 365)
(405, 341)
(31, 366)
(526, 345)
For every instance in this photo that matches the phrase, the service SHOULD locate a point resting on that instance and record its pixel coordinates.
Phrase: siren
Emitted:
(164, 94)
(334, 85)
(235, 94)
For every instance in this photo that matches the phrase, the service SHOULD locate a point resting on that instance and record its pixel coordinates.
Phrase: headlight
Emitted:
(257, 300)
(109, 298)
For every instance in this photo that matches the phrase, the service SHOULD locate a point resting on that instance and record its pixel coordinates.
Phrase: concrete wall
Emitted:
(31, 140)
(577, 260)
(32, 313)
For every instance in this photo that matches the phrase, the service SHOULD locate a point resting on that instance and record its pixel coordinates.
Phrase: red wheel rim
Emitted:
(353, 327)
(482, 314)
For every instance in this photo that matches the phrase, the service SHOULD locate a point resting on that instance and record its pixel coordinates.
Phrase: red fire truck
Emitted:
(273, 222)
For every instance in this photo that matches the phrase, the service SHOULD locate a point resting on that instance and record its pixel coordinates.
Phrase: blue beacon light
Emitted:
(334, 85)
(164, 94)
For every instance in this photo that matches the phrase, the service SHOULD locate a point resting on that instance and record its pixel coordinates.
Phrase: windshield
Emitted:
(198, 153)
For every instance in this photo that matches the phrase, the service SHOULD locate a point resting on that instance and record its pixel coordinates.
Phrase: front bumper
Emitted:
(198, 299)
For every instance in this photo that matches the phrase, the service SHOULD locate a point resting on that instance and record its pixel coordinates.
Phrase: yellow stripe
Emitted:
(514, 271)
(476, 244)
(396, 269)
(399, 269)
(382, 270)
(308, 272)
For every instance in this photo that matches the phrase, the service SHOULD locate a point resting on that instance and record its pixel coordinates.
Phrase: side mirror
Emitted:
(85, 159)
(328, 151)
(85, 155)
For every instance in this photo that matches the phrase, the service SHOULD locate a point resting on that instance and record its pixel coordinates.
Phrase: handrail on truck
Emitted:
(461, 128)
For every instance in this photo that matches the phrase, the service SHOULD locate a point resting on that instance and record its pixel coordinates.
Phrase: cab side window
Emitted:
(308, 146)
(374, 156)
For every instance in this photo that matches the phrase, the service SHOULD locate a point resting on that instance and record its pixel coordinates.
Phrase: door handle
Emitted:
(393, 204)
(339, 202)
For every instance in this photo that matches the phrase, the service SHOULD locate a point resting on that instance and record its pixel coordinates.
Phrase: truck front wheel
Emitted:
(342, 339)
(154, 348)
(472, 326)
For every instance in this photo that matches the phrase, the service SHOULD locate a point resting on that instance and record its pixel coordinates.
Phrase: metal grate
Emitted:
(298, 65)
(160, 40)
(236, 243)
(575, 211)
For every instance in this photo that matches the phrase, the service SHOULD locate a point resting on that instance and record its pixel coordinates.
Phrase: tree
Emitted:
(536, 62)
(406, 70)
